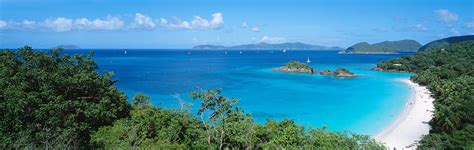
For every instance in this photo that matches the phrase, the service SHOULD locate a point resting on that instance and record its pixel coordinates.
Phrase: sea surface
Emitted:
(364, 105)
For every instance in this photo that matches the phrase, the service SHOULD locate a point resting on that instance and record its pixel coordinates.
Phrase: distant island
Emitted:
(67, 47)
(298, 67)
(267, 46)
(386, 47)
(446, 41)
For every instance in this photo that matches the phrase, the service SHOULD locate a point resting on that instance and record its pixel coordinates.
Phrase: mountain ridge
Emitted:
(267, 46)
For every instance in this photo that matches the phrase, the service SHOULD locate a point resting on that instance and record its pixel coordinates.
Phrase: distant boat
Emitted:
(225, 52)
(125, 52)
(240, 52)
(284, 50)
(308, 61)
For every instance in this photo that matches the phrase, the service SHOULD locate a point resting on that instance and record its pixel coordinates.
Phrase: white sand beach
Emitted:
(411, 123)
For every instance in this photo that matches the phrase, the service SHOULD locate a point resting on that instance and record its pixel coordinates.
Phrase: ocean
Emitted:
(364, 105)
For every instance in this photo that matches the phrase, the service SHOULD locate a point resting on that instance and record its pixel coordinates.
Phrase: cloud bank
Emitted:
(140, 22)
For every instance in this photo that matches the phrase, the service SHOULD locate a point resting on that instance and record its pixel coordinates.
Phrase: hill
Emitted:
(384, 47)
(267, 46)
(446, 41)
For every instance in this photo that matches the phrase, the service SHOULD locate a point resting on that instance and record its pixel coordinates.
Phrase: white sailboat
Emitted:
(308, 61)
(240, 52)
(284, 50)
(125, 52)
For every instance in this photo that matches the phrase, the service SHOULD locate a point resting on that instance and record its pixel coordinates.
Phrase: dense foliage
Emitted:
(220, 125)
(298, 65)
(386, 46)
(55, 101)
(448, 72)
(52, 100)
(446, 41)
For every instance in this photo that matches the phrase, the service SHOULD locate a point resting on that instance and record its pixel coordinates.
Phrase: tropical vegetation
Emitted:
(448, 72)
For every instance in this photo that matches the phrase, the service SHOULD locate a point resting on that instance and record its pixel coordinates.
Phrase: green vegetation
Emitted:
(446, 41)
(298, 65)
(49, 100)
(220, 125)
(55, 101)
(448, 72)
(385, 47)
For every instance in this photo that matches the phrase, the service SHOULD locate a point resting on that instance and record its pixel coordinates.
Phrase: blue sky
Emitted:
(183, 24)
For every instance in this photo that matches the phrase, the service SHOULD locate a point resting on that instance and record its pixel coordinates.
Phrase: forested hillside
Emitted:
(448, 72)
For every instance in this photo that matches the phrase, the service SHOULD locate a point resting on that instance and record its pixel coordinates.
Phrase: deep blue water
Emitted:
(364, 104)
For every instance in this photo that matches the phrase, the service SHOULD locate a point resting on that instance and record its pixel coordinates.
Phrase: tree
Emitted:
(52, 100)
(219, 108)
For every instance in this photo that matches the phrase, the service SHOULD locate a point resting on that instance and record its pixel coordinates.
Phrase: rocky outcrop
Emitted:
(341, 73)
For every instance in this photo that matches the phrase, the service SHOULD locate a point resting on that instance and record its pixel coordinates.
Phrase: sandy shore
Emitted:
(411, 123)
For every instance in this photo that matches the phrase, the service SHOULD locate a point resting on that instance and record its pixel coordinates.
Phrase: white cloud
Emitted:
(111, 23)
(268, 39)
(217, 20)
(244, 25)
(59, 24)
(3, 24)
(142, 22)
(446, 16)
(454, 32)
(255, 29)
(198, 23)
(470, 24)
(420, 28)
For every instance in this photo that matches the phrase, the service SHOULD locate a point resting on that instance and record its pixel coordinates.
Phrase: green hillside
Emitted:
(446, 41)
(448, 72)
(384, 47)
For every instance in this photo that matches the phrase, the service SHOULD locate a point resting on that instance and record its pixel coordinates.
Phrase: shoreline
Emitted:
(412, 123)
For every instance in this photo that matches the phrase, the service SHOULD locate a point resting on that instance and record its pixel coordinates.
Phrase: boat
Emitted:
(240, 52)
(225, 52)
(308, 61)
(125, 52)
(284, 50)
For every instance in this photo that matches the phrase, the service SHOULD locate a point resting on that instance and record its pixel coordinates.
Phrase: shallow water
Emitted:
(364, 104)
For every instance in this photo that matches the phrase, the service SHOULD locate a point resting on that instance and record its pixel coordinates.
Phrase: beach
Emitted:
(412, 123)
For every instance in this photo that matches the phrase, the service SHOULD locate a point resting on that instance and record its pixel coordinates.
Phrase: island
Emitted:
(386, 47)
(267, 46)
(67, 47)
(296, 67)
(340, 72)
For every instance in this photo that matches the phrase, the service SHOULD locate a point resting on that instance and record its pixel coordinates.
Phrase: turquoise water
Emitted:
(365, 104)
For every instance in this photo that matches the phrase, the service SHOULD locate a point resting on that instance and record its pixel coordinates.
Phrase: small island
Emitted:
(340, 72)
(296, 67)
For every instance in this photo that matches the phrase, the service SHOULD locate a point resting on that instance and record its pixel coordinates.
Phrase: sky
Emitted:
(176, 24)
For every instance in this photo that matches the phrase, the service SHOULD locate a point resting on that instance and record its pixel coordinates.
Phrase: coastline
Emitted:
(412, 123)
